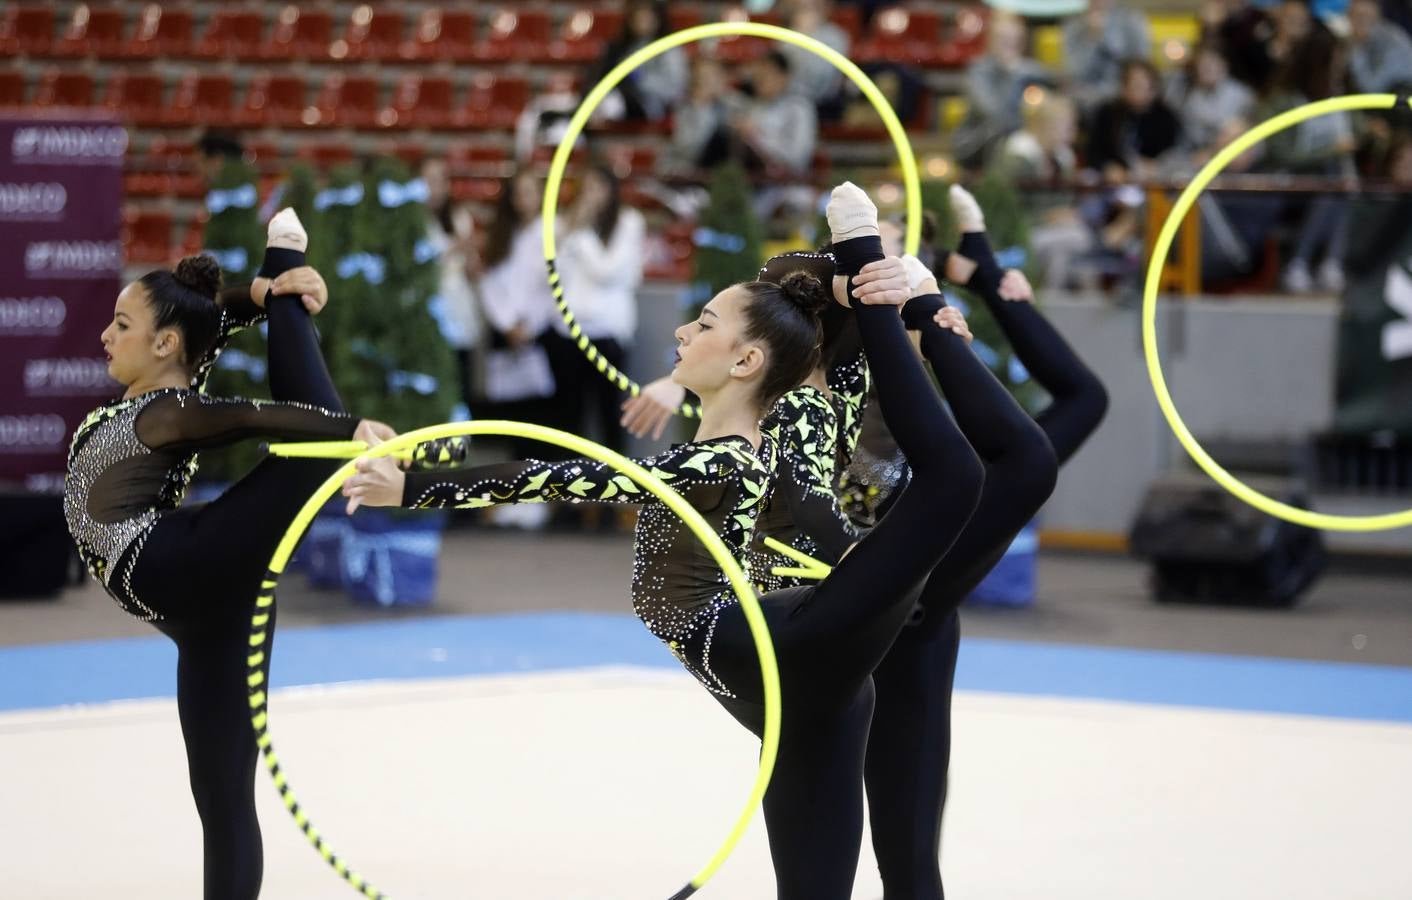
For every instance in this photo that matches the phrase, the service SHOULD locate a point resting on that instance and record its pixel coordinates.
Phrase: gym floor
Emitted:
(526, 738)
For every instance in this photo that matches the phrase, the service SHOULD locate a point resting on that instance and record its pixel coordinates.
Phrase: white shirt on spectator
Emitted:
(516, 290)
(786, 129)
(600, 280)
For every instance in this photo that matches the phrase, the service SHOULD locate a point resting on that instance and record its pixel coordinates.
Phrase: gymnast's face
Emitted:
(132, 343)
(713, 352)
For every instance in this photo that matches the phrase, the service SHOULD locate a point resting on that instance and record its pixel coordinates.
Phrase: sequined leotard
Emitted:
(678, 590)
(131, 461)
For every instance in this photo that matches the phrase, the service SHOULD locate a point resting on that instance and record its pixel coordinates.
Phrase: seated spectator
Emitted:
(1310, 69)
(1133, 130)
(778, 128)
(1380, 53)
(995, 87)
(701, 124)
(1208, 97)
(651, 90)
(1242, 30)
(1095, 44)
(1236, 225)
(1043, 152)
(450, 231)
(812, 76)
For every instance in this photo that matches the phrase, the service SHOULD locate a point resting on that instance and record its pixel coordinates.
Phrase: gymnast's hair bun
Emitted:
(805, 291)
(201, 274)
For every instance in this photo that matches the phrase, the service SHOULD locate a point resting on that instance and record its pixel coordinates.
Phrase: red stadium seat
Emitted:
(233, 34)
(136, 96)
(300, 34)
(203, 99)
(169, 153)
(161, 33)
(850, 19)
(739, 48)
(61, 88)
(494, 101)
(12, 89)
(93, 31)
(419, 102)
(276, 100)
(629, 159)
(516, 35)
(326, 156)
(27, 30)
(348, 100)
(373, 33)
(966, 42)
(586, 34)
(904, 36)
(195, 239)
(475, 190)
(147, 235)
(481, 159)
(443, 34)
(685, 16)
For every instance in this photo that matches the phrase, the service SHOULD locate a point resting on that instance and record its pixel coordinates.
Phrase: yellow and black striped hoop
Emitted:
(402, 446)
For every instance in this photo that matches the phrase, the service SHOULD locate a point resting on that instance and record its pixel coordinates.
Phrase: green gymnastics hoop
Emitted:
(910, 179)
(400, 446)
(1163, 248)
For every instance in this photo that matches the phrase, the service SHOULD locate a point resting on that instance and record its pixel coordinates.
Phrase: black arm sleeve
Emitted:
(1079, 399)
(190, 421)
(699, 471)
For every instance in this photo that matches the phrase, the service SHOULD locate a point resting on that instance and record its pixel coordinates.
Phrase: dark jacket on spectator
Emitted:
(1119, 135)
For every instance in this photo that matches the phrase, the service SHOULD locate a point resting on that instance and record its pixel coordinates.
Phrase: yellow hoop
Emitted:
(259, 715)
(910, 179)
(1160, 251)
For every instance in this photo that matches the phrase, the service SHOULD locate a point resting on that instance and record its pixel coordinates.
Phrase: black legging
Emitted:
(201, 569)
(829, 637)
(909, 749)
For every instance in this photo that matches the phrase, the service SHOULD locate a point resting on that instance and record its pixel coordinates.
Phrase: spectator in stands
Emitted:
(777, 132)
(1242, 30)
(1380, 53)
(1310, 69)
(1095, 44)
(1131, 132)
(701, 124)
(813, 76)
(519, 311)
(1208, 97)
(216, 149)
(1043, 153)
(995, 87)
(450, 233)
(600, 262)
(651, 90)
(778, 128)
(1236, 225)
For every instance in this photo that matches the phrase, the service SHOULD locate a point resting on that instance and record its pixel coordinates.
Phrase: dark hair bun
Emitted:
(201, 274)
(805, 291)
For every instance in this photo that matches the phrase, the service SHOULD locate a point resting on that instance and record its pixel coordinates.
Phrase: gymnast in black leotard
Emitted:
(828, 636)
(194, 570)
(909, 746)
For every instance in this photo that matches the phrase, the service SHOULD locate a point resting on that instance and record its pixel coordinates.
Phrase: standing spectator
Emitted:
(518, 308)
(651, 90)
(1310, 69)
(449, 232)
(995, 86)
(1039, 154)
(701, 124)
(600, 263)
(1243, 32)
(813, 76)
(1133, 130)
(1380, 53)
(1208, 97)
(1095, 44)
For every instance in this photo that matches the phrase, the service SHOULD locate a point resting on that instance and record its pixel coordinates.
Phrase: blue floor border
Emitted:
(50, 675)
